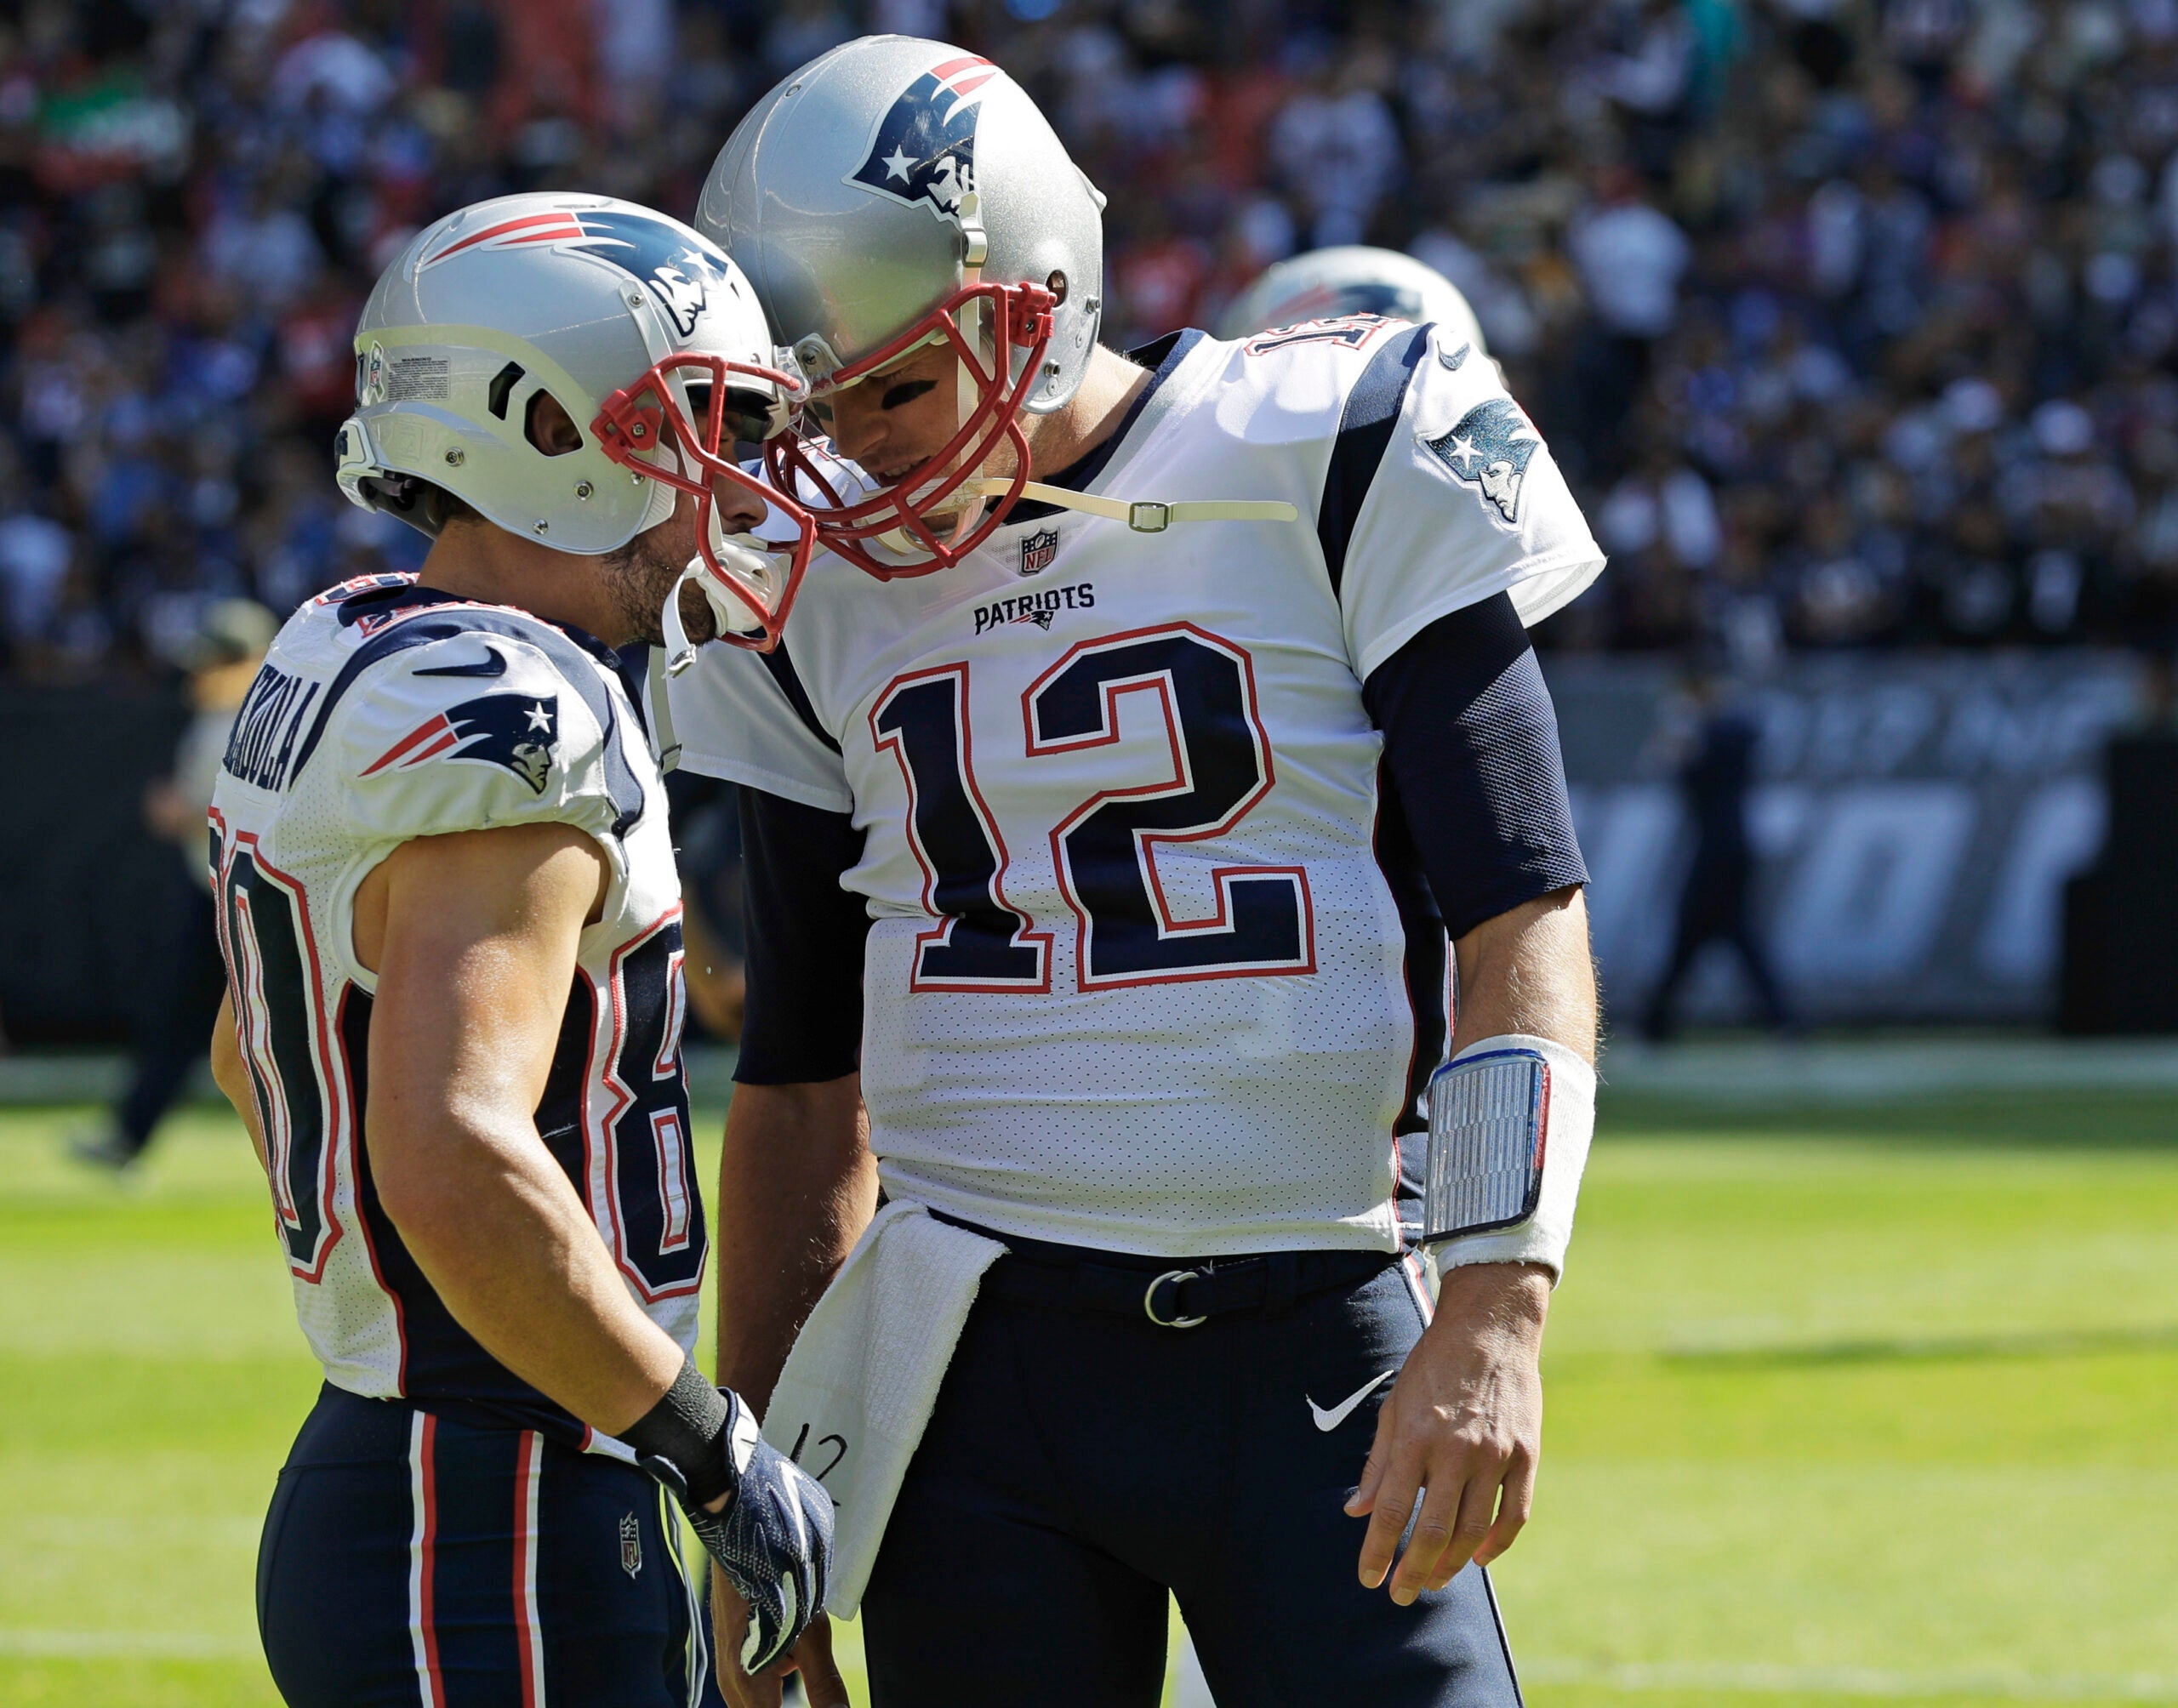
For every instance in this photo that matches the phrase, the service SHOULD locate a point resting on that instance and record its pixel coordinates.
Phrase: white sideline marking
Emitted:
(1850, 1681)
(122, 1645)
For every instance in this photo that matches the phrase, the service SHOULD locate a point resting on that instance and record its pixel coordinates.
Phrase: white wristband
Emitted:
(1566, 1121)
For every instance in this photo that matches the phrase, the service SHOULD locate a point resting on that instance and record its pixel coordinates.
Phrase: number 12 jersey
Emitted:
(1136, 978)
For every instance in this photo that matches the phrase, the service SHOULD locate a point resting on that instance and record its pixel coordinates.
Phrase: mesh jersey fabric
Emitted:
(1136, 978)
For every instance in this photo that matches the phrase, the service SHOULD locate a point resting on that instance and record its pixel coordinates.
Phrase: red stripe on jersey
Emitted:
(448, 739)
(422, 733)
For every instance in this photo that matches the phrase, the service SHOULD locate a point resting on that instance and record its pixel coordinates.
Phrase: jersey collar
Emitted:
(1162, 357)
(383, 602)
(380, 603)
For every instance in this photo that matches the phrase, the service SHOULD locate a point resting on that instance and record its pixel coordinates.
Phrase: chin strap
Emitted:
(1143, 515)
(664, 743)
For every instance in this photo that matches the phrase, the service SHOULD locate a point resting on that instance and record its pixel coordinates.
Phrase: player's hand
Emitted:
(1464, 1421)
(770, 1537)
(812, 1658)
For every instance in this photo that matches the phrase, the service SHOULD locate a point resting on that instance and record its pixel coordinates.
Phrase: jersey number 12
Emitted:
(1105, 850)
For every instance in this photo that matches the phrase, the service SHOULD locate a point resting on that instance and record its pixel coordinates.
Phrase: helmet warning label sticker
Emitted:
(415, 376)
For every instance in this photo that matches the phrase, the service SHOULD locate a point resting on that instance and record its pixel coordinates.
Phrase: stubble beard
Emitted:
(637, 578)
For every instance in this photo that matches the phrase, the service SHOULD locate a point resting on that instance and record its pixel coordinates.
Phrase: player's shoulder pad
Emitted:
(1306, 382)
(1469, 431)
(466, 717)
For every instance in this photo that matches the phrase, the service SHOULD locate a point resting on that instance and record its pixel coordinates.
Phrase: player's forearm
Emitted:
(232, 1077)
(1528, 970)
(797, 1186)
(503, 1239)
(1527, 973)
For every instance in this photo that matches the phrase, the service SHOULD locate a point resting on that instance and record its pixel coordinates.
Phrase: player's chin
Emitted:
(640, 581)
(697, 617)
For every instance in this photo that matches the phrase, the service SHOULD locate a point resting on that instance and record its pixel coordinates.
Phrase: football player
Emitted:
(451, 922)
(1351, 279)
(1148, 726)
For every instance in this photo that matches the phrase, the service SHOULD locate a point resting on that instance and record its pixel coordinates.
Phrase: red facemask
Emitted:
(1020, 318)
(638, 419)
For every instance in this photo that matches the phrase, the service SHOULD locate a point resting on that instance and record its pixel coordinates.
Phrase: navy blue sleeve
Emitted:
(1471, 751)
(804, 1020)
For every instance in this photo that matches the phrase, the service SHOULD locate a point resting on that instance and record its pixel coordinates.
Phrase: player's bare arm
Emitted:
(1465, 1420)
(232, 1079)
(473, 938)
(797, 1186)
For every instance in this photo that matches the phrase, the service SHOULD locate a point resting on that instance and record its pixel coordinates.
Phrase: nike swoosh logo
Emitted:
(493, 663)
(1329, 1420)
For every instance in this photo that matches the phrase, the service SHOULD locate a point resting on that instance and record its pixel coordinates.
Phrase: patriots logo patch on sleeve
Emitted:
(519, 733)
(924, 148)
(1490, 450)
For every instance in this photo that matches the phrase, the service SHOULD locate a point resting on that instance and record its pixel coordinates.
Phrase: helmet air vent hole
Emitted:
(1057, 284)
(547, 427)
(502, 383)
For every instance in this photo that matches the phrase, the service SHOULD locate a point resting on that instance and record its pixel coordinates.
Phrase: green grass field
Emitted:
(1842, 1406)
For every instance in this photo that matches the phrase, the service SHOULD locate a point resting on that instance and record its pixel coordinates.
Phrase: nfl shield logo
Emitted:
(632, 1546)
(1038, 550)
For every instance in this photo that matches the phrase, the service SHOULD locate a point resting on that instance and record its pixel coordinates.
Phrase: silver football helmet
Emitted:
(895, 193)
(643, 331)
(1353, 279)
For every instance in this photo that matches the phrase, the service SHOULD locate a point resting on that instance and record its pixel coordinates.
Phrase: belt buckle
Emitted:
(1149, 1300)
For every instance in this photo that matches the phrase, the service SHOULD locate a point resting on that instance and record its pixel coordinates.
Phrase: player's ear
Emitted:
(549, 427)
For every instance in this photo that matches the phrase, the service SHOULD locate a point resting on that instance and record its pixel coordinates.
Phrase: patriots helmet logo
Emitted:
(1490, 450)
(678, 271)
(923, 150)
(518, 731)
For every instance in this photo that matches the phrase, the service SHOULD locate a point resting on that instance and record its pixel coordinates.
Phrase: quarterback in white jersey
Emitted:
(1105, 828)
(1136, 976)
(450, 915)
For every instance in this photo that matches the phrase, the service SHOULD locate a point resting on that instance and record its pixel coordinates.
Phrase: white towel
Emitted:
(865, 1373)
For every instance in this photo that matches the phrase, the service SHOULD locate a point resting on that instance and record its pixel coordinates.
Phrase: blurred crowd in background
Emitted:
(1854, 321)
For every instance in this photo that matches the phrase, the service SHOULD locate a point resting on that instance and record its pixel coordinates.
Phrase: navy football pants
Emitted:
(1077, 1465)
(423, 1560)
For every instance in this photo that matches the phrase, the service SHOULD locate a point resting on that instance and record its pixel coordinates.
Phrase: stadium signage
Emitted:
(1916, 820)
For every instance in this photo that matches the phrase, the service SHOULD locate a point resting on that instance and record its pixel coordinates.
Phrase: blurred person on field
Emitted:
(182, 976)
(1716, 776)
(1630, 257)
(706, 818)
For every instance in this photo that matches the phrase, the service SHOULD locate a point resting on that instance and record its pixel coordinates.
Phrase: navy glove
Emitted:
(773, 1538)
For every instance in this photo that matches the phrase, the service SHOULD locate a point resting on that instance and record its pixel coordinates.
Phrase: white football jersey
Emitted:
(385, 712)
(1136, 979)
